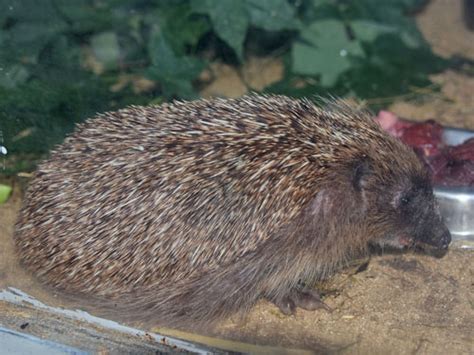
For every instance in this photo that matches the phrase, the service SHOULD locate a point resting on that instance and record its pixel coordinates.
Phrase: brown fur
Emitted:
(192, 211)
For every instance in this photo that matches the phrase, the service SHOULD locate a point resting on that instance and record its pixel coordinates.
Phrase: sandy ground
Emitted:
(401, 304)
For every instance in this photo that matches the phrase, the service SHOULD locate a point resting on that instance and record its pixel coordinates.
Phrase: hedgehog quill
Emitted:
(192, 211)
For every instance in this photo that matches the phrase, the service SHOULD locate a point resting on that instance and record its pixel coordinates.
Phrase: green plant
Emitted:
(62, 61)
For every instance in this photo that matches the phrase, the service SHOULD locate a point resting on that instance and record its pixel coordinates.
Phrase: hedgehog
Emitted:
(189, 212)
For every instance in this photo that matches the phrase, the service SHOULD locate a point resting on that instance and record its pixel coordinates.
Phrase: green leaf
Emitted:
(370, 30)
(272, 15)
(86, 16)
(30, 10)
(13, 76)
(392, 13)
(60, 63)
(5, 192)
(229, 19)
(28, 39)
(320, 2)
(175, 73)
(325, 49)
(181, 27)
(5, 9)
(106, 48)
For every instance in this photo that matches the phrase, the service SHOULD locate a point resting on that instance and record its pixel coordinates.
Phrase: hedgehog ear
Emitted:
(360, 169)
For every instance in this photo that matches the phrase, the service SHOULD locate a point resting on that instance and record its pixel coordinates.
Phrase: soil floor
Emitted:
(400, 304)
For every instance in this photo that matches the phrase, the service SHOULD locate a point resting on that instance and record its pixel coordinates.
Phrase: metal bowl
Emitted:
(457, 203)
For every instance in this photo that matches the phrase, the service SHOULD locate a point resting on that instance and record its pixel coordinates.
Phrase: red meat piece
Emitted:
(450, 166)
(425, 137)
(464, 151)
(459, 173)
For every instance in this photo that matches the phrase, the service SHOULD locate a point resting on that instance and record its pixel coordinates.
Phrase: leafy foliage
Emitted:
(62, 60)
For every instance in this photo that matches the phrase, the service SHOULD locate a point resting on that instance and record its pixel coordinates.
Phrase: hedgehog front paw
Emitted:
(286, 305)
(306, 298)
(310, 300)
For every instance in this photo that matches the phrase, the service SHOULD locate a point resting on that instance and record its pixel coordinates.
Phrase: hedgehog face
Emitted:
(410, 214)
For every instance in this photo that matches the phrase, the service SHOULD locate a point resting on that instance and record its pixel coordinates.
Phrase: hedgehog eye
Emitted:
(405, 200)
(402, 200)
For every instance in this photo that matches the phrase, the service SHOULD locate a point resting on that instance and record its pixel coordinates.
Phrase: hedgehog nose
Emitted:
(440, 244)
(445, 240)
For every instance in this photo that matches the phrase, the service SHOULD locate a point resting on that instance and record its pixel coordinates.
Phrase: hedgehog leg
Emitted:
(286, 305)
(308, 299)
(305, 298)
